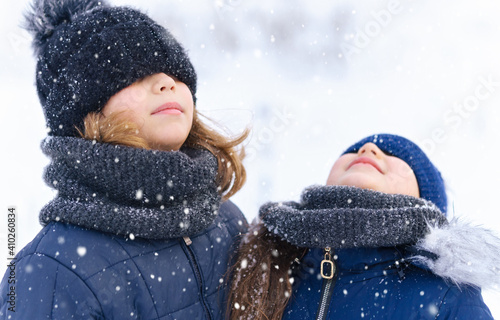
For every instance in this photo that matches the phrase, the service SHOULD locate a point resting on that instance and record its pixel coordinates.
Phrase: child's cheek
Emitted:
(401, 169)
(402, 177)
(135, 97)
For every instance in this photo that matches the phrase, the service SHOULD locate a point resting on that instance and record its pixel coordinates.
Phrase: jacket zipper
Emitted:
(197, 272)
(329, 274)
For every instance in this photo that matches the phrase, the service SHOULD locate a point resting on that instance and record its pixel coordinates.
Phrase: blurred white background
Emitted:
(310, 78)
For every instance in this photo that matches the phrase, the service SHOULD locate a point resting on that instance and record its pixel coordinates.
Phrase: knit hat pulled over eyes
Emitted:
(87, 51)
(430, 182)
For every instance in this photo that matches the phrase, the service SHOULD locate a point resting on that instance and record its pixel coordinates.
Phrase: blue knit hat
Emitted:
(88, 50)
(430, 182)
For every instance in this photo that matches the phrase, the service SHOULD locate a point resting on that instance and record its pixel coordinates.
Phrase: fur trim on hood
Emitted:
(465, 255)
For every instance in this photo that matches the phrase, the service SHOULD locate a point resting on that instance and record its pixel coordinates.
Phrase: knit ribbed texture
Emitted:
(123, 190)
(430, 182)
(350, 217)
(87, 51)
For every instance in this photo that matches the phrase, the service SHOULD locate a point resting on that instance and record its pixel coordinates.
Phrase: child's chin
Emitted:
(361, 180)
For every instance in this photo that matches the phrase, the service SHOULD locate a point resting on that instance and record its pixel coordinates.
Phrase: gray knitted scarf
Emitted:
(349, 217)
(124, 190)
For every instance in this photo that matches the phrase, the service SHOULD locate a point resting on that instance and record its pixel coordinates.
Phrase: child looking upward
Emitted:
(374, 243)
(137, 229)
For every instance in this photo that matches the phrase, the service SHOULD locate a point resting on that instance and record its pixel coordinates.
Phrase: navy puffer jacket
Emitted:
(375, 283)
(68, 272)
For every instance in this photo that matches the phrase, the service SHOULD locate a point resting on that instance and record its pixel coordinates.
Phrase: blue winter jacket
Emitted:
(68, 272)
(375, 283)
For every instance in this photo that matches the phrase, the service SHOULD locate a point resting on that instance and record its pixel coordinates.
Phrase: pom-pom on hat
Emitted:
(87, 51)
(430, 183)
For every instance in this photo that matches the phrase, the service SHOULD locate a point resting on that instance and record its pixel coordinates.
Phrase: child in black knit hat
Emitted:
(373, 243)
(137, 229)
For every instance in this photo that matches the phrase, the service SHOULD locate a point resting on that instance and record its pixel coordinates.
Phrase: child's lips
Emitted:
(168, 108)
(365, 160)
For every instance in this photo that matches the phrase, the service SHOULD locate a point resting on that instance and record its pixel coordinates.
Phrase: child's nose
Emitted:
(370, 148)
(162, 82)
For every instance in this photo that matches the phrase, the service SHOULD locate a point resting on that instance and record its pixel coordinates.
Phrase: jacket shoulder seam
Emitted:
(59, 264)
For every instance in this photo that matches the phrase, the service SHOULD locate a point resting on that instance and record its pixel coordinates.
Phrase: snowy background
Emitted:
(310, 78)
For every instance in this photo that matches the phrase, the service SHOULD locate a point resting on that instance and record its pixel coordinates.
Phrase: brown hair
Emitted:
(261, 282)
(231, 175)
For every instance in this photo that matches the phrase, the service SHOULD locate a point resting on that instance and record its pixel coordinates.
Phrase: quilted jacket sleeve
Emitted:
(46, 289)
(464, 304)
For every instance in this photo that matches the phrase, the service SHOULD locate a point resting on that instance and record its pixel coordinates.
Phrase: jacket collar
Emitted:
(358, 259)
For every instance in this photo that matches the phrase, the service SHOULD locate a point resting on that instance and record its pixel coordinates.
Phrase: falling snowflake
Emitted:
(139, 194)
(28, 268)
(244, 263)
(82, 251)
(433, 310)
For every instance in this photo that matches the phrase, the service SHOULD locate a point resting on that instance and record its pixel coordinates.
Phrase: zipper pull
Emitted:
(327, 265)
(187, 240)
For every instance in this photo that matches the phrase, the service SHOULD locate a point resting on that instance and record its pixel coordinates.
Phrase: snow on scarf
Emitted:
(349, 217)
(123, 190)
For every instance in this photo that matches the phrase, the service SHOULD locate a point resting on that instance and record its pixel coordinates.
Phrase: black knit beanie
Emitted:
(87, 51)
(430, 182)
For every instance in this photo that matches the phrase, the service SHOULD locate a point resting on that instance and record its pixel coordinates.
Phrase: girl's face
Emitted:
(370, 168)
(160, 105)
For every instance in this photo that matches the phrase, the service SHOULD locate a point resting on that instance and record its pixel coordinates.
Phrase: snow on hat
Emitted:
(87, 51)
(430, 182)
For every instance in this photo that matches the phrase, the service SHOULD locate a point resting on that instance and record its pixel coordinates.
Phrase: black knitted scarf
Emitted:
(124, 190)
(349, 217)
